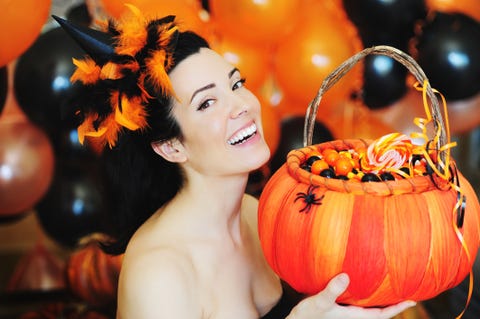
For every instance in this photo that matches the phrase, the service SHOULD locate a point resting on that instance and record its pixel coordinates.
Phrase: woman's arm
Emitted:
(323, 305)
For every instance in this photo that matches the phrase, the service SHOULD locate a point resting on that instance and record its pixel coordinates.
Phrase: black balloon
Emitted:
(205, 4)
(380, 20)
(291, 137)
(44, 92)
(42, 79)
(384, 81)
(3, 87)
(79, 15)
(73, 206)
(448, 49)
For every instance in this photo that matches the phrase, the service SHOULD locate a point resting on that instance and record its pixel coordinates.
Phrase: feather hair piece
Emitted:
(142, 53)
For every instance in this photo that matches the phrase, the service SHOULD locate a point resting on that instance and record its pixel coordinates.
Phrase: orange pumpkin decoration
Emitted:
(404, 239)
(92, 275)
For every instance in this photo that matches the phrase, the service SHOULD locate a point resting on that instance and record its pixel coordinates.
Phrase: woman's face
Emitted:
(219, 117)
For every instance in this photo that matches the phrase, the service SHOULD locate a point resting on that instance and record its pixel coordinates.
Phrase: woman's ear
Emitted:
(171, 150)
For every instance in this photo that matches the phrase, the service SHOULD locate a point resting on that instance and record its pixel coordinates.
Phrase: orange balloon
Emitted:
(26, 166)
(321, 42)
(468, 7)
(271, 126)
(290, 107)
(189, 13)
(253, 62)
(353, 119)
(20, 24)
(263, 22)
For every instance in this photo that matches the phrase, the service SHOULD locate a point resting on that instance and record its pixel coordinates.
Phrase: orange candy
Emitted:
(343, 166)
(330, 156)
(319, 166)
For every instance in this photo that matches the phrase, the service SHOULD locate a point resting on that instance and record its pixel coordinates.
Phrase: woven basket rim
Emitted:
(415, 184)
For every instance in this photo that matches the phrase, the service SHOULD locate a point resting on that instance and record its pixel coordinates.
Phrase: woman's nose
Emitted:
(239, 107)
(238, 113)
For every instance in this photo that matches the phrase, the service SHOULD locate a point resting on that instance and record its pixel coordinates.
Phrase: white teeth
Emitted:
(243, 134)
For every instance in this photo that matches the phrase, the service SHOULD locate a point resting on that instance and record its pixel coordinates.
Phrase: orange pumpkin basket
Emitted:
(401, 232)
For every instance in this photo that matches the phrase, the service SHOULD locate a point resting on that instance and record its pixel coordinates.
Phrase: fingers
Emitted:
(323, 305)
(378, 313)
(326, 299)
(394, 310)
(322, 302)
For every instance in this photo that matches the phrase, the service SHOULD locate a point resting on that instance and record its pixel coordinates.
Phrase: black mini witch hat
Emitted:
(98, 45)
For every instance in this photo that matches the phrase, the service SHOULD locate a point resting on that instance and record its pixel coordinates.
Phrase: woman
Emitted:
(180, 133)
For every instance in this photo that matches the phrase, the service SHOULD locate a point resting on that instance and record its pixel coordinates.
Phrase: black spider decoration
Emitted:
(309, 198)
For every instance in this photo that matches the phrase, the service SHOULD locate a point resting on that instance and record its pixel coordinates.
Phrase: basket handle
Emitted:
(343, 68)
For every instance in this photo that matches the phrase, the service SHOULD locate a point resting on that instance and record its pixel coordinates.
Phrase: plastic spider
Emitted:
(309, 198)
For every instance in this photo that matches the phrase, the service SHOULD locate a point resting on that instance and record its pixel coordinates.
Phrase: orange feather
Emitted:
(106, 133)
(87, 129)
(132, 114)
(133, 32)
(113, 129)
(87, 72)
(157, 73)
(110, 71)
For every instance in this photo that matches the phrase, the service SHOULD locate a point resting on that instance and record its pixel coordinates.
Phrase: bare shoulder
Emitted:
(157, 284)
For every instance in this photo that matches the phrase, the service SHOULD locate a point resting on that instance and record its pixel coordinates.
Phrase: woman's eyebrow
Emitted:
(232, 72)
(206, 87)
(212, 85)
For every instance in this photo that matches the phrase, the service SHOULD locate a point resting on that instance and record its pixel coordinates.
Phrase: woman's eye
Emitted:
(240, 83)
(204, 105)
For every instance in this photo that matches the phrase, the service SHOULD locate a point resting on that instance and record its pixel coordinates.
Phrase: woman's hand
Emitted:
(323, 305)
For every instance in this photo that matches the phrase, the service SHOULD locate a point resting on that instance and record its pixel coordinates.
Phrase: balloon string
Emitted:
(422, 123)
(469, 259)
(457, 222)
(459, 208)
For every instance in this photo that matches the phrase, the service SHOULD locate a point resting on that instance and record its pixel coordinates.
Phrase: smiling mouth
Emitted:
(243, 135)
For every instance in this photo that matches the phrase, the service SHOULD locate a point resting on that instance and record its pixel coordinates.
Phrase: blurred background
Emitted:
(50, 206)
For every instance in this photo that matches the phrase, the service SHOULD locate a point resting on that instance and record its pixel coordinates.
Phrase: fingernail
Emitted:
(343, 279)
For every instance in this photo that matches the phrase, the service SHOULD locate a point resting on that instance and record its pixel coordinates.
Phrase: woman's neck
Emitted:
(212, 205)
